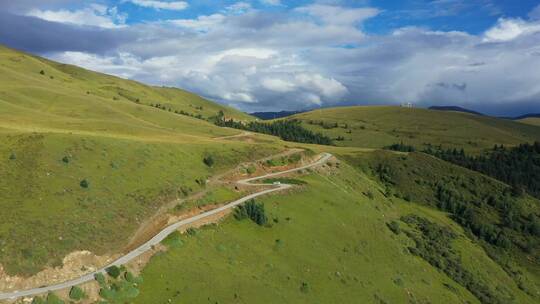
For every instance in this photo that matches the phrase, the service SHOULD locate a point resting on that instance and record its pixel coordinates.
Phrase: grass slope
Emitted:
(328, 243)
(418, 177)
(380, 126)
(68, 125)
(535, 121)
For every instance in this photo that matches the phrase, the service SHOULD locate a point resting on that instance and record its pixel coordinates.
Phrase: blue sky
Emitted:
(473, 16)
(289, 55)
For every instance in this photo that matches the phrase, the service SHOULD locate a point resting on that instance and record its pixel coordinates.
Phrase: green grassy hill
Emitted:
(380, 126)
(334, 241)
(71, 99)
(85, 159)
(535, 121)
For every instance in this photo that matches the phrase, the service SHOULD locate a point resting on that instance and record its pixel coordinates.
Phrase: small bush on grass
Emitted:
(369, 194)
(251, 169)
(54, 299)
(84, 183)
(76, 293)
(113, 271)
(173, 240)
(394, 227)
(100, 278)
(209, 161)
(253, 211)
(191, 231)
(304, 287)
(130, 277)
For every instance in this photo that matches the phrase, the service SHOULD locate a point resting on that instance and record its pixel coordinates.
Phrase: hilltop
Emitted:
(455, 109)
(381, 126)
(535, 121)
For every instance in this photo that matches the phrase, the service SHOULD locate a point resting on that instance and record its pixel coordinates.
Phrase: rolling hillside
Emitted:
(85, 159)
(535, 121)
(380, 126)
(343, 238)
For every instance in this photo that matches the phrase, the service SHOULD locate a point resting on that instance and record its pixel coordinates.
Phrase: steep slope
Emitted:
(380, 126)
(85, 159)
(40, 94)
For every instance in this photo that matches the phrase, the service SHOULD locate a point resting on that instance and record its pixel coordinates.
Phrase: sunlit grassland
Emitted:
(61, 125)
(46, 213)
(328, 242)
(380, 126)
(535, 121)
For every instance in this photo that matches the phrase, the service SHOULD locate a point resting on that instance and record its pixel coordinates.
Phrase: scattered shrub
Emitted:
(370, 194)
(304, 287)
(401, 147)
(84, 183)
(253, 211)
(100, 278)
(209, 161)
(251, 169)
(394, 227)
(13, 156)
(173, 240)
(53, 299)
(434, 245)
(113, 271)
(76, 293)
(42, 72)
(128, 276)
(65, 159)
(191, 231)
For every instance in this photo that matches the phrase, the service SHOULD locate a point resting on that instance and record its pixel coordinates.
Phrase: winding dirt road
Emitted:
(168, 230)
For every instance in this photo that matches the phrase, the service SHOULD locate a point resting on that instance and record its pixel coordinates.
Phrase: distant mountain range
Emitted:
(274, 115)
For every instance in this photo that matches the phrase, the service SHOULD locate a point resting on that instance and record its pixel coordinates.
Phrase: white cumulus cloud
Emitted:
(508, 29)
(164, 5)
(93, 15)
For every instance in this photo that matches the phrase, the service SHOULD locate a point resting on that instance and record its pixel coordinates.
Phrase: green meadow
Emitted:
(381, 126)
(327, 242)
(85, 159)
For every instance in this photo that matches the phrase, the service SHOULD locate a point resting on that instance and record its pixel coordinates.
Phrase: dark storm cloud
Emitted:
(39, 36)
(454, 86)
(21, 6)
(314, 56)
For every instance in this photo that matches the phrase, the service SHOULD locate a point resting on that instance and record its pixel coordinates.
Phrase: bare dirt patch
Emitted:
(74, 265)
